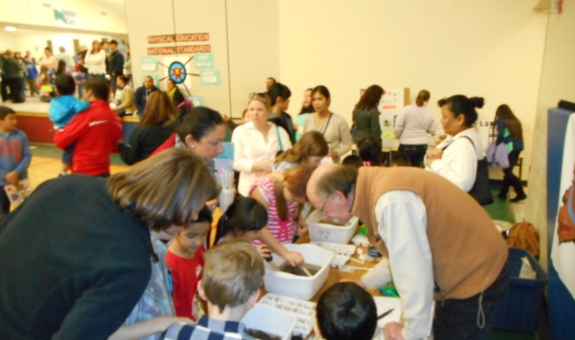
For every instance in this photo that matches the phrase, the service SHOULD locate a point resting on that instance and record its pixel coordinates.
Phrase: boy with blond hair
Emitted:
(233, 274)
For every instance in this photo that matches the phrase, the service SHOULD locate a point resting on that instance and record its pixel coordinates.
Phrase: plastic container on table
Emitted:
(299, 287)
(270, 320)
(324, 232)
(304, 311)
(520, 305)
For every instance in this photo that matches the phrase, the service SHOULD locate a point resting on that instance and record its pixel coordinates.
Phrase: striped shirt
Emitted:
(207, 329)
(283, 231)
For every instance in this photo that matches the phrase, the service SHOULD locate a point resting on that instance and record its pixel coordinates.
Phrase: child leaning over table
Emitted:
(14, 155)
(233, 274)
(62, 109)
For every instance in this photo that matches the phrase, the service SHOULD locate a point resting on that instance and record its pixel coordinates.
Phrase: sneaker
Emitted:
(518, 198)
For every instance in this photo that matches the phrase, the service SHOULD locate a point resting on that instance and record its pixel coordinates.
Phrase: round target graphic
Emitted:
(177, 72)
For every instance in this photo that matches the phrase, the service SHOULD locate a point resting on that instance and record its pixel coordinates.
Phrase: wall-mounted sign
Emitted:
(149, 64)
(204, 61)
(66, 17)
(171, 38)
(210, 77)
(179, 49)
(197, 100)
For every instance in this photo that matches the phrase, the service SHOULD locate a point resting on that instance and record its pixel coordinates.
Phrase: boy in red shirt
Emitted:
(95, 131)
(185, 258)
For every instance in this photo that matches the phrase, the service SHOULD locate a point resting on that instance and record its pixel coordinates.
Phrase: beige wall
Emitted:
(252, 40)
(490, 48)
(557, 82)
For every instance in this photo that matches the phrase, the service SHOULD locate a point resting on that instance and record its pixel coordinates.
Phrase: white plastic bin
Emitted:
(270, 320)
(321, 232)
(299, 287)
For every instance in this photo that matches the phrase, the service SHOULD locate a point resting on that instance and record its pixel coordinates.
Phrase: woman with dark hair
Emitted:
(154, 129)
(279, 95)
(95, 61)
(88, 284)
(306, 110)
(310, 150)
(124, 97)
(174, 92)
(455, 159)
(334, 128)
(412, 126)
(510, 132)
(366, 115)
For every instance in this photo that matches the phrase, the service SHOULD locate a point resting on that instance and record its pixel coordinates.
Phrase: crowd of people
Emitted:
(134, 255)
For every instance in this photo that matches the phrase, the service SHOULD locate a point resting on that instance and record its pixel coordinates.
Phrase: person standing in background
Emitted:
(279, 96)
(32, 75)
(306, 110)
(3, 83)
(366, 115)
(116, 66)
(67, 58)
(333, 126)
(24, 71)
(269, 82)
(128, 67)
(412, 126)
(95, 61)
(48, 59)
(14, 77)
(510, 132)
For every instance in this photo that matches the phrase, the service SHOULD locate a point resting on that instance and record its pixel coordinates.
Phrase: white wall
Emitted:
(34, 12)
(7, 40)
(489, 48)
(557, 82)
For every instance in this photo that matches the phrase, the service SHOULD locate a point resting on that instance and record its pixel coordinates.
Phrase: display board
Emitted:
(391, 105)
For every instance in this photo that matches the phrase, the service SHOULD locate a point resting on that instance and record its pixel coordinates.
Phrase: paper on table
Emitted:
(384, 304)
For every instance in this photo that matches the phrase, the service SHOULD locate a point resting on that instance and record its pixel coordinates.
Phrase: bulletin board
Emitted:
(390, 106)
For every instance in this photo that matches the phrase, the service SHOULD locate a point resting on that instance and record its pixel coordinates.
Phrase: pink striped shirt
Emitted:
(283, 231)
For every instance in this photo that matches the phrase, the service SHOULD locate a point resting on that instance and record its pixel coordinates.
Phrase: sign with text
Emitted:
(172, 38)
(197, 100)
(179, 49)
(66, 17)
(149, 64)
(204, 61)
(210, 77)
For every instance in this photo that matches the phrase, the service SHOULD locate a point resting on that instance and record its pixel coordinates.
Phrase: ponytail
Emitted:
(245, 214)
(422, 97)
(461, 105)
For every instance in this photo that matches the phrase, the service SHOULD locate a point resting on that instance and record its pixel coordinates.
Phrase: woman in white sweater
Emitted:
(455, 159)
(256, 143)
(333, 126)
(95, 61)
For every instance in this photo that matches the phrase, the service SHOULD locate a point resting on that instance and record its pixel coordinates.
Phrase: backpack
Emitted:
(524, 235)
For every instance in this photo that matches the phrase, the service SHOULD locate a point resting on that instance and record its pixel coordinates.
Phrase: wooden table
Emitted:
(336, 275)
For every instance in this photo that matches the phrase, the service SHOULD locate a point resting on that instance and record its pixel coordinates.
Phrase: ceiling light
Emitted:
(10, 28)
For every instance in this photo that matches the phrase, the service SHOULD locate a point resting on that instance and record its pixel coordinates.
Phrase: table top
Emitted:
(336, 275)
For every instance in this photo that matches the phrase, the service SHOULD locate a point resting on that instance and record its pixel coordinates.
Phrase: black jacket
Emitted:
(285, 122)
(141, 98)
(116, 65)
(12, 69)
(73, 264)
(144, 141)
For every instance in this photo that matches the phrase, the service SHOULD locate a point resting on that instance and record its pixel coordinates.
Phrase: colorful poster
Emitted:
(204, 61)
(210, 77)
(563, 246)
(179, 69)
(149, 64)
(66, 17)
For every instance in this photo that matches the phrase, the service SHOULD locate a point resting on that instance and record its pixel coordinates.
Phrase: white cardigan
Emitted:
(95, 63)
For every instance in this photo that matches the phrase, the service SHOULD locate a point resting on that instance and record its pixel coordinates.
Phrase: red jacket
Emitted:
(169, 143)
(95, 132)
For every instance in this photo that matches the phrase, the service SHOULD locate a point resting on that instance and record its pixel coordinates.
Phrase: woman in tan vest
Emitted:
(428, 243)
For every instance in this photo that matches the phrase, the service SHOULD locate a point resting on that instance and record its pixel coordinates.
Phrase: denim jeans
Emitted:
(416, 153)
(459, 319)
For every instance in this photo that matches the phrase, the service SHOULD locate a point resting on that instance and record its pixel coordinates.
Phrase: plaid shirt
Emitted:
(207, 329)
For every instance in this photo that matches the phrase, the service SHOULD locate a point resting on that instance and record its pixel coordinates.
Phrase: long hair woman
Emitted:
(366, 115)
(510, 132)
(310, 150)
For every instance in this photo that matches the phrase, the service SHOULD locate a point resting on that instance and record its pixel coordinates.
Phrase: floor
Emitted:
(46, 165)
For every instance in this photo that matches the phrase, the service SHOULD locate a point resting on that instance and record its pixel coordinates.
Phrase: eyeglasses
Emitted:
(322, 211)
(258, 95)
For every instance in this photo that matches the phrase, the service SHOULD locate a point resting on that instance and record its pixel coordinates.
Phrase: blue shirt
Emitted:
(64, 108)
(14, 155)
(31, 68)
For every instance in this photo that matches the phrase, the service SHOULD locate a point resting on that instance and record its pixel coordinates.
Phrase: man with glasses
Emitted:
(433, 235)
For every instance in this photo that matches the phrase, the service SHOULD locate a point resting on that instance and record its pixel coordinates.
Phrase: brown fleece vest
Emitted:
(467, 251)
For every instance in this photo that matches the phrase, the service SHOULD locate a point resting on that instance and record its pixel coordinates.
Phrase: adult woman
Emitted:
(510, 132)
(174, 92)
(124, 97)
(281, 195)
(366, 115)
(257, 143)
(91, 281)
(61, 68)
(154, 129)
(48, 59)
(279, 95)
(412, 126)
(334, 128)
(306, 110)
(95, 61)
(310, 150)
(455, 159)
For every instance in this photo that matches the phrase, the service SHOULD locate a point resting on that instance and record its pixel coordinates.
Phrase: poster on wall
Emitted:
(149, 64)
(210, 77)
(563, 246)
(66, 17)
(178, 68)
(204, 61)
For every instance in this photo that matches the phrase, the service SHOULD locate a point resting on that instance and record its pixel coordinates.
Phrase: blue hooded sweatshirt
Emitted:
(64, 108)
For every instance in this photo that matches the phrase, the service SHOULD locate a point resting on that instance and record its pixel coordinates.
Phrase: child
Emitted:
(369, 150)
(353, 160)
(243, 221)
(400, 159)
(184, 258)
(31, 76)
(15, 155)
(62, 109)
(233, 274)
(46, 88)
(346, 312)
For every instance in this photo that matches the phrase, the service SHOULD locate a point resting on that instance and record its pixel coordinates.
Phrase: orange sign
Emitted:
(179, 49)
(170, 38)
